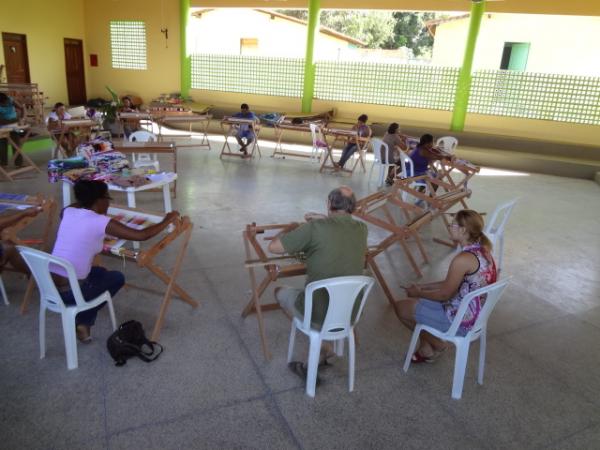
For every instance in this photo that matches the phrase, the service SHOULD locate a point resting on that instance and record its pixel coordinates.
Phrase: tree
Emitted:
(378, 29)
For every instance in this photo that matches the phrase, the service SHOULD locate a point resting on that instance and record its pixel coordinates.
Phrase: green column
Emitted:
(186, 60)
(463, 88)
(308, 90)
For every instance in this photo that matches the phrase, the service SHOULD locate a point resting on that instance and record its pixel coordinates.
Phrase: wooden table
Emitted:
(29, 165)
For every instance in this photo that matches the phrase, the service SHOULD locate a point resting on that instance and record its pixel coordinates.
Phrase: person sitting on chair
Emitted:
(245, 131)
(334, 245)
(424, 154)
(129, 125)
(80, 238)
(363, 130)
(11, 112)
(396, 143)
(436, 304)
(8, 252)
(54, 123)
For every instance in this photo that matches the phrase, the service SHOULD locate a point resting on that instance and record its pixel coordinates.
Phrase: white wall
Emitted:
(558, 44)
(220, 31)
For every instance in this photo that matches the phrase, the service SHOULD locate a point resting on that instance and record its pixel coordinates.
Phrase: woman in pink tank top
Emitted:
(436, 304)
(80, 238)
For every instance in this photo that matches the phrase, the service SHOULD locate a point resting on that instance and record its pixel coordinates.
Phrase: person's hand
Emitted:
(172, 216)
(32, 212)
(413, 291)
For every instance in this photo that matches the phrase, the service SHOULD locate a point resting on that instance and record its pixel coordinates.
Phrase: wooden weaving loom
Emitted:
(287, 125)
(29, 165)
(344, 135)
(185, 118)
(48, 213)
(81, 128)
(230, 125)
(438, 204)
(275, 267)
(446, 168)
(147, 258)
(369, 209)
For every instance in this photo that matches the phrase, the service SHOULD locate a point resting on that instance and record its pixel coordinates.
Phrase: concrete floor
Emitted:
(212, 387)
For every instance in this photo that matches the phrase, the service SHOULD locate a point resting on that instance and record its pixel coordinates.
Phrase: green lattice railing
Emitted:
(563, 98)
(248, 74)
(406, 85)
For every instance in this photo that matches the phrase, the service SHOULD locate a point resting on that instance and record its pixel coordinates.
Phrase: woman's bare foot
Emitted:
(83, 333)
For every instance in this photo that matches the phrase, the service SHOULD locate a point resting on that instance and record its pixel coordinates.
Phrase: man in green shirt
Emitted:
(334, 245)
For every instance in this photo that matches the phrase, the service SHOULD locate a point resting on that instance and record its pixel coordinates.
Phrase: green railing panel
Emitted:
(407, 85)
(248, 74)
(542, 96)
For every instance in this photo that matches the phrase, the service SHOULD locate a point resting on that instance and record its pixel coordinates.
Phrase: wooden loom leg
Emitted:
(255, 302)
(421, 248)
(410, 257)
(170, 281)
(386, 289)
(27, 296)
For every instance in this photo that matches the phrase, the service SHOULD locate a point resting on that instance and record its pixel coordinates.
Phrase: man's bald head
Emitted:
(342, 199)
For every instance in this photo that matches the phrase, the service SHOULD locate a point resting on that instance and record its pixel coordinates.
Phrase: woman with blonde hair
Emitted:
(436, 304)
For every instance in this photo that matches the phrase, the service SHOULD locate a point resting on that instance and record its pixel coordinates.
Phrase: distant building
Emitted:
(525, 42)
(237, 31)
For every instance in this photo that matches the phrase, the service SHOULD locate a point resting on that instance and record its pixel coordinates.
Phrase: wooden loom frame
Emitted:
(256, 256)
(445, 169)
(66, 127)
(49, 208)
(342, 134)
(17, 150)
(146, 259)
(285, 125)
(233, 123)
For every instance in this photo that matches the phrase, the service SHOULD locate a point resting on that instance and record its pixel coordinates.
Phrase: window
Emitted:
(248, 46)
(128, 44)
(514, 56)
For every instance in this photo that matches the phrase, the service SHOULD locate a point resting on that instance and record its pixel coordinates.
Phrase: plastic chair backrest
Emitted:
(343, 292)
(39, 264)
(379, 149)
(499, 217)
(447, 143)
(492, 293)
(142, 136)
(406, 164)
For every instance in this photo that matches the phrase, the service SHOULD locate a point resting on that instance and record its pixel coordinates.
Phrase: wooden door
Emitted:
(75, 72)
(15, 58)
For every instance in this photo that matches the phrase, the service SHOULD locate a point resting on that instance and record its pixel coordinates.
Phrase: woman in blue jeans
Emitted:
(80, 238)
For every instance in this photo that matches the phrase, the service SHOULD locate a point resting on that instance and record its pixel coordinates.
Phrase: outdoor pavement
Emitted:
(212, 387)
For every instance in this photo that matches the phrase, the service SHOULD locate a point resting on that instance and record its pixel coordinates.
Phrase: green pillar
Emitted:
(186, 60)
(308, 90)
(463, 88)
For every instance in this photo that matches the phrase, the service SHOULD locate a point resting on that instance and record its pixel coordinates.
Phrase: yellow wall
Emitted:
(46, 24)
(276, 37)
(163, 73)
(558, 44)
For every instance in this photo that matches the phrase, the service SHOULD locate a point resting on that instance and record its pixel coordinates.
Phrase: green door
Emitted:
(518, 56)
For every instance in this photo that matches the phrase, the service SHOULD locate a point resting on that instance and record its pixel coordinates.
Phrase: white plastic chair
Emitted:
(407, 170)
(493, 293)
(494, 229)
(3, 291)
(447, 143)
(381, 149)
(319, 144)
(343, 292)
(144, 159)
(50, 299)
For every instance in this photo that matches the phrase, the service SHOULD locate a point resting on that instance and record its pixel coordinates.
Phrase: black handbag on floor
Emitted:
(128, 341)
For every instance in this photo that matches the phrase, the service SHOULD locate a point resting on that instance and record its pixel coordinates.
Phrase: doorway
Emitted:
(15, 58)
(75, 71)
(514, 56)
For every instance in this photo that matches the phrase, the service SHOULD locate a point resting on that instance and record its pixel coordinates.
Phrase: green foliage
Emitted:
(110, 109)
(378, 29)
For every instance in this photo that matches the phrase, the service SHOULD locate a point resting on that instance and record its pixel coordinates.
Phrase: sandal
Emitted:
(417, 358)
(300, 369)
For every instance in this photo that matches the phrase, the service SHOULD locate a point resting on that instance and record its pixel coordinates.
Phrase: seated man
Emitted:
(245, 131)
(8, 252)
(129, 125)
(11, 112)
(363, 130)
(334, 245)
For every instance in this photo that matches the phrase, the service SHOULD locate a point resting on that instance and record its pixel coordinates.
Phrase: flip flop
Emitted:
(417, 358)
(300, 369)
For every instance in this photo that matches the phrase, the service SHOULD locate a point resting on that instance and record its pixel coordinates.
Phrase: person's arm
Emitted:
(11, 219)
(462, 264)
(290, 240)
(121, 231)
(20, 109)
